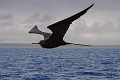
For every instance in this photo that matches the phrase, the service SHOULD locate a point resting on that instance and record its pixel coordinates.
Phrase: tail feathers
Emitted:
(79, 44)
(83, 45)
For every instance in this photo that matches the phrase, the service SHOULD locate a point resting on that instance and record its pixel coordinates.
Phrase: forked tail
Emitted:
(79, 44)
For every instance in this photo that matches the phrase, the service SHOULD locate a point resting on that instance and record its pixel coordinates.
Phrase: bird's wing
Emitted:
(46, 35)
(35, 30)
(59, 28)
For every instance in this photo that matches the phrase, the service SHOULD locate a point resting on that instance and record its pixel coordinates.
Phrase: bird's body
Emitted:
(51, 44)
(58, 31)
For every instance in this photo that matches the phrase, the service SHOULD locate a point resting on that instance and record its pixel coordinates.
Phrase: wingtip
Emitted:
(90, 6)
(93, 4)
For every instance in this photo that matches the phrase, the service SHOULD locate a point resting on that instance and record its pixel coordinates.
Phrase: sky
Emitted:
(99, 26)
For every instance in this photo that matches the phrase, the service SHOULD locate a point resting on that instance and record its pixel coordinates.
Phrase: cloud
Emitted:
(6, 20)
(79, 32)
(6, 17)
(39, 18)
(100, 25)
(99, 33)
(13, 30)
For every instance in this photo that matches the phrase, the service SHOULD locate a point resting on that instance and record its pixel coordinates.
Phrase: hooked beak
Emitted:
(35, 43)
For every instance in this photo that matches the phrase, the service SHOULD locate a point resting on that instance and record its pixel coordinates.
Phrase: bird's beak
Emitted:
(35, 43)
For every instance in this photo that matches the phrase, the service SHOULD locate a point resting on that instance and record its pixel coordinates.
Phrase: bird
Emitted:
(59, 29)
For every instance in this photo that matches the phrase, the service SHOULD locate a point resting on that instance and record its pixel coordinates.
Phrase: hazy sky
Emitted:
(100, 25)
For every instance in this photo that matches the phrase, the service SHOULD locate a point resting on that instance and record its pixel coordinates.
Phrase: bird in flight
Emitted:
(58, 31)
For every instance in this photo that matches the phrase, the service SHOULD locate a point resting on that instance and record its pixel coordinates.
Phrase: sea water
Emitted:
(60, 64)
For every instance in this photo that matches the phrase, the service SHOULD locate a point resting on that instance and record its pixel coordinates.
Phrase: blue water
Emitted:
(60, 64)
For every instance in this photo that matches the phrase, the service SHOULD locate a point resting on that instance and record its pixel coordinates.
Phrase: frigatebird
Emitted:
(58, 31)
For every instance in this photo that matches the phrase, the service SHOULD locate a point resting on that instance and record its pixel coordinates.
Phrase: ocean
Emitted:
(60, 64)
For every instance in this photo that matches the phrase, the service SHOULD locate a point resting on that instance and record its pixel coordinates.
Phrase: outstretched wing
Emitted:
(59, 29)
(35, 30)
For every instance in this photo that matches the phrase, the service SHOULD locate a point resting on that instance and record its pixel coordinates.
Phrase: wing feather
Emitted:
(59, 28)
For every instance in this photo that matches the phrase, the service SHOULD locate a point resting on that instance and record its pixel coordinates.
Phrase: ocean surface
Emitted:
(60, 64)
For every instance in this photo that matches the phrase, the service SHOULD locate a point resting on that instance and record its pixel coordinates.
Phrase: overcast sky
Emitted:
(100, 25)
